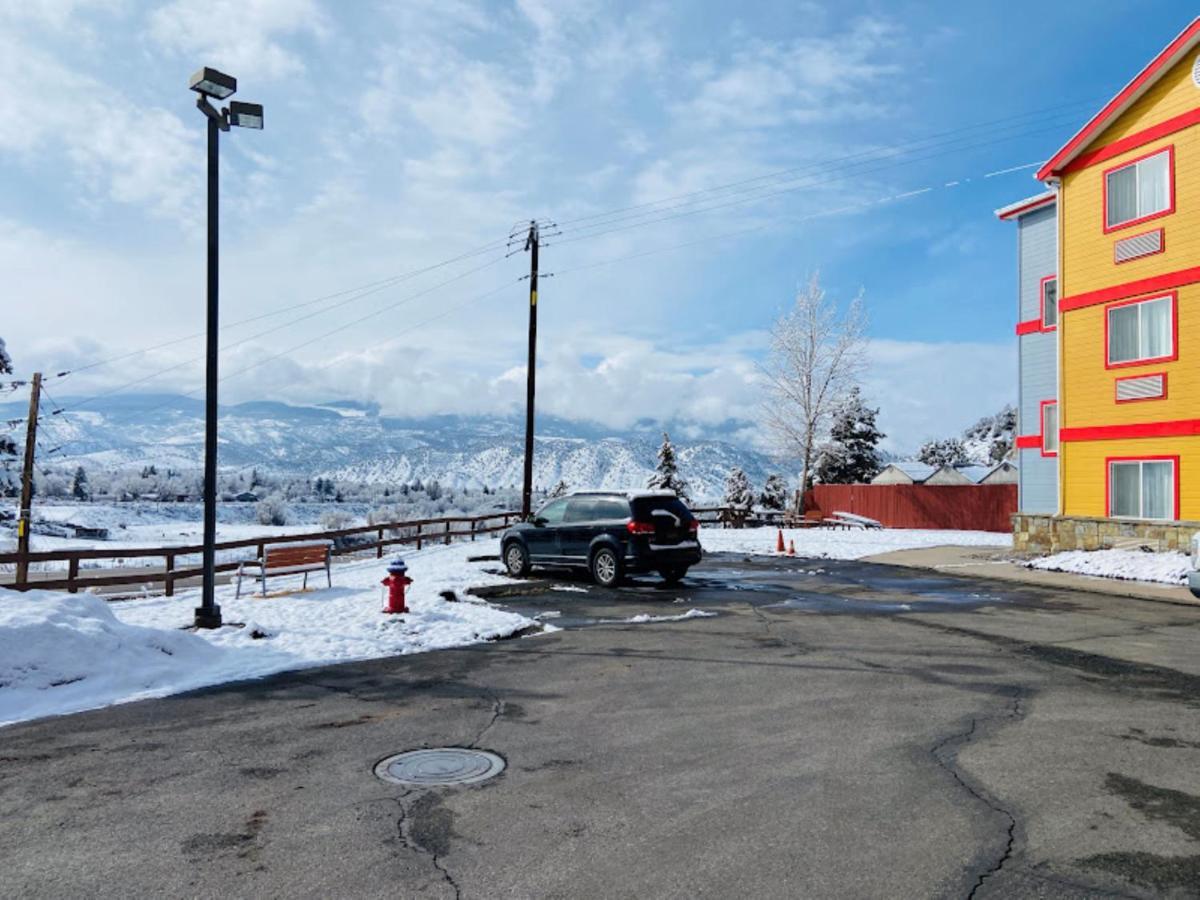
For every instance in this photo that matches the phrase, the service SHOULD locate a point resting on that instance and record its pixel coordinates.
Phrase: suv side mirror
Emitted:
(539, 521)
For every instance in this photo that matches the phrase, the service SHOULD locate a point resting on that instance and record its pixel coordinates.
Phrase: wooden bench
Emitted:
(288, 559)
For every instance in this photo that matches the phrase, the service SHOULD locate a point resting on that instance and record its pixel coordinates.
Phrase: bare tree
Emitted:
(815, 359)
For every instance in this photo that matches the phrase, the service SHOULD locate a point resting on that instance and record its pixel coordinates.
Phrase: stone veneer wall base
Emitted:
(1050, 534)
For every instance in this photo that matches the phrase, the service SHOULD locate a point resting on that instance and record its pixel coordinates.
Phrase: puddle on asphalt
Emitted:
(837, 604)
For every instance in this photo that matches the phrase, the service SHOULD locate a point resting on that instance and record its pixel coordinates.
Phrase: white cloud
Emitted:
(245, 36)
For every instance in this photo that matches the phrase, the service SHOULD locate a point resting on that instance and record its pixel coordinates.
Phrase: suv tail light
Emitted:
(640, 527)
(694, 526)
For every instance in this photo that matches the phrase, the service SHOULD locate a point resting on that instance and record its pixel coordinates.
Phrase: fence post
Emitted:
(170, 578)
(447, 531)
(72, 574)
(418, 535)
(472, 529)
(379, 549)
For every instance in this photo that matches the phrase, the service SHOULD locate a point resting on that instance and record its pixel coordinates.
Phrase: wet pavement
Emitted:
(836, 729)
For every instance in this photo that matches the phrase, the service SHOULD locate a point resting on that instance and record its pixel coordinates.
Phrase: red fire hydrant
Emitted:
(396, 582)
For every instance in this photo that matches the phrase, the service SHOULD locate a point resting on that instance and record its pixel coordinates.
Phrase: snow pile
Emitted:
(690, 614)
(62, 653)
(65, 652)
(831, 543)
(1171, 567)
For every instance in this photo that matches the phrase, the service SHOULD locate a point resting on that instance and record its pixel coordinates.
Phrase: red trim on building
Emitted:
(1175, 428)
(1162, 396)
(1162, 246)
(1153, 360)
(1042, 426)
(1029, 441)
(1119, 103)
(1170, 151)
(1109, 460)
(1130, 289)
(1135, 140)
(1027, 208)
(1033, 326)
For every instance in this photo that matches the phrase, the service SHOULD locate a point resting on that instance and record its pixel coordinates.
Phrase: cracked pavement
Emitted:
(837, 730)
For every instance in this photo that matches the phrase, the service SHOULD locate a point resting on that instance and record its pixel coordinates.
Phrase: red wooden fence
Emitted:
(972, 507)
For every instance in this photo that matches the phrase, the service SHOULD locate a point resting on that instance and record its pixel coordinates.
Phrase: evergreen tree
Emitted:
(79, 485)
(775, 493)
(948, 452)
(666, 473)
(850, 456)
(8, 446)
(738, 494)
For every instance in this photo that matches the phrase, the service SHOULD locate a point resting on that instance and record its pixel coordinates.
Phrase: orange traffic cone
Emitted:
(779, 542)
(791, 548)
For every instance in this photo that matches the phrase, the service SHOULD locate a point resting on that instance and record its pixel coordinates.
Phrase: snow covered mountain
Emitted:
(352, 441)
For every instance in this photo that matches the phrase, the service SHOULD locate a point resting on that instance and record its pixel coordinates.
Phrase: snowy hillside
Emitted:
(353, 442)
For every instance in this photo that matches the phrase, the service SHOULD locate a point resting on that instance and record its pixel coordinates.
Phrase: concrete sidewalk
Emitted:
(985, 562)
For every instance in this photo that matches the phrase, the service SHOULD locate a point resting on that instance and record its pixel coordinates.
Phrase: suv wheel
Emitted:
(673, 574)
(606, 567)
(516, 560)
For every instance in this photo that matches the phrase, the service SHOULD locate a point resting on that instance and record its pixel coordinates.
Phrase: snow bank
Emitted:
(63, 653)
(1171, 567)
(690, 614)
(837, 543)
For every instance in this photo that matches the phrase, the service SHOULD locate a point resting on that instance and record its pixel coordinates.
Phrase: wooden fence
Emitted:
(970, 507)
(346, 541)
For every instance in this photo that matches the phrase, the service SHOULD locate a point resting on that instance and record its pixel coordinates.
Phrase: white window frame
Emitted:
(1112, 492)
(1169, 299)
(1050, 435)
(1050, 280)
(1140, 215)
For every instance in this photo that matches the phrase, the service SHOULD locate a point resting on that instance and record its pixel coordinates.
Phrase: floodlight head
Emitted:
(212, 83)
(245, 115)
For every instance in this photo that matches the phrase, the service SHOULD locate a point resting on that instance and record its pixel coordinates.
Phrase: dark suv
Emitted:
(609, 534)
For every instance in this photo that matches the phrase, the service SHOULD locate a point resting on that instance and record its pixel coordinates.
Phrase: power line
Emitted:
(887, 150)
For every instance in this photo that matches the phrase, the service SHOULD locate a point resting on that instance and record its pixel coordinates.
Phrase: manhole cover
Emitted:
(439, 766)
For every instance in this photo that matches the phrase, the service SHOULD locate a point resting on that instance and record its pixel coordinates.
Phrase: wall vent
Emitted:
(1142, 387)
(1139, 245)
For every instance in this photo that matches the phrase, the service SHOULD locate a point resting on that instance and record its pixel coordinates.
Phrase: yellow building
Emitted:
(1128, 197)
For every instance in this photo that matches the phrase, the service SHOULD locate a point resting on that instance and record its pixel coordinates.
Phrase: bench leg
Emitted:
(304, 583)
(264, 578)
(328, 573)
(239, 583)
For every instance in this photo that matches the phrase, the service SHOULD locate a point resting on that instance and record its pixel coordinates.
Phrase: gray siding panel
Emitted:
(1037, 257)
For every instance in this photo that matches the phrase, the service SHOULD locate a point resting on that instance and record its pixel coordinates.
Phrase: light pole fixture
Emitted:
(209, 83)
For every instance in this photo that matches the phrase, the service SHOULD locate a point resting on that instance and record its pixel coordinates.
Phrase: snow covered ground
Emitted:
(1127, 565)
(62, 653)
(831, 543)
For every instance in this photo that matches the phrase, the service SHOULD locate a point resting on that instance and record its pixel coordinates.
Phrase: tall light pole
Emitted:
(217, 85)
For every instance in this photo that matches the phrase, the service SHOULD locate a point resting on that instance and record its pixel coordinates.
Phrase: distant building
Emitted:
(1003, 472)
(919, 473)
(246, 497)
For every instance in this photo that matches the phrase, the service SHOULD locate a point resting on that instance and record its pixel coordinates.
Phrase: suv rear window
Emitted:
(596, 509)
(645, 507)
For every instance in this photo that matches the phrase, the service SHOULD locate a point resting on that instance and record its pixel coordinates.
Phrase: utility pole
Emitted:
(35, 394)
(531, 244)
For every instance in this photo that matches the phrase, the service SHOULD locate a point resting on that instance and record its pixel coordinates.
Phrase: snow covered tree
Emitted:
(666, 473)
(991, 438)
(8, 446)
(79, 485)
(851, 455)
(738, 494)
(774, 493)
(948, 452)
(816, 355)
(272, 511)
(559, 489)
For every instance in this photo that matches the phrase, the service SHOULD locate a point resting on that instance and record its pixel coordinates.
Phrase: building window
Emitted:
(1049, 427)
(1141, 332)
(1138, 191)
(1049, 302)
(1142, 488)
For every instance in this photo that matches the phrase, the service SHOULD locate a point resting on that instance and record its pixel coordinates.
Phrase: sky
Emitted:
(701, 161)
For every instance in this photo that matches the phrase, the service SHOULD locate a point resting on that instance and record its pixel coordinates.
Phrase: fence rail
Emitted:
(387, 534)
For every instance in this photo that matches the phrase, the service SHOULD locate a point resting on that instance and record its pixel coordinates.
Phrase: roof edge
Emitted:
(1138, 86)
(1028, 205)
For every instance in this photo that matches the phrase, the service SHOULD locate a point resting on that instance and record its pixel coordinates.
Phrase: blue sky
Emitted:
(399, 135)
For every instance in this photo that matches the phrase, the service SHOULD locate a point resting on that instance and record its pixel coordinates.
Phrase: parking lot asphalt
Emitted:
(834, 730)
